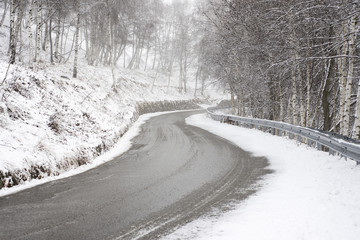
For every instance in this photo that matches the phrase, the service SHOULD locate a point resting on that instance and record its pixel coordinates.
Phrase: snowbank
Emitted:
(311, 195)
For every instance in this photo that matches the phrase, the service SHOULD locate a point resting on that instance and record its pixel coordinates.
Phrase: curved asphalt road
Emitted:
(174, 173)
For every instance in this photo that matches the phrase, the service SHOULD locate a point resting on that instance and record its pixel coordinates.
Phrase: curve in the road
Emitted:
(174, 173)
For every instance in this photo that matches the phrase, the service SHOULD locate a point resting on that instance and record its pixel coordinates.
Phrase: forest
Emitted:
(157, 34)
(295, 61)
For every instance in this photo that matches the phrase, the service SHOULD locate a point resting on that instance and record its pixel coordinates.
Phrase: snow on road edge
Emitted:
(310, 195)
(123, 145)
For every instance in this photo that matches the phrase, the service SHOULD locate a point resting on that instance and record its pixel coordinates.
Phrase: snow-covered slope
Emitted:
(51, 122)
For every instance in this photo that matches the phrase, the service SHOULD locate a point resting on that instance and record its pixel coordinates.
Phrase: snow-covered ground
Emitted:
(310, 195)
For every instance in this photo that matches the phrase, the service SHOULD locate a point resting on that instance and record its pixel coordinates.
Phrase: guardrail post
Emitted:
(273, 131)
(290, 135)
(309, 142)
(318, 146)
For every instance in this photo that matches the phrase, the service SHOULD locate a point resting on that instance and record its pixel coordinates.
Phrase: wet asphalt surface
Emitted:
(173, 174)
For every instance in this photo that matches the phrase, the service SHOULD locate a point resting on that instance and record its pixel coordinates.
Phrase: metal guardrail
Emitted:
(321, 140)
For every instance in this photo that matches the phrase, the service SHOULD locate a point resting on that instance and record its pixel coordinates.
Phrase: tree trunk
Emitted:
(308, 92)
(118, 53)
(294, 95)
(133, 42)
(87, 41)
(155, 53)
(147, 56)
(38, 30)
(281, 103)
(325, 98)
(170, 72)
(295, 45)
(156, 74)
(302, 98)
(4, 14)
(46, 32)
(202, 85)
(51, 43)
(62, 47)
(76, 55)
(135, 53)
(232, 100)
(139, 53)
(356, 128)
(185, 71)
(125, 54)
(18, 30)
(12, 45)
(111, 47)
(342, 75)
(30, 35)
(181, 74)
(350, 74)
(57, 37)
(196, 80)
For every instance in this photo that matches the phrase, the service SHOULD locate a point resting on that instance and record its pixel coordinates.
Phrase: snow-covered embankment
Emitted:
(51, 123)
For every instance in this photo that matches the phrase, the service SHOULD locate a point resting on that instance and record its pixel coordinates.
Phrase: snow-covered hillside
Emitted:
(51, 122)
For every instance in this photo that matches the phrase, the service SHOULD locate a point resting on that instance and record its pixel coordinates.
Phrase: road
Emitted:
(174, 173)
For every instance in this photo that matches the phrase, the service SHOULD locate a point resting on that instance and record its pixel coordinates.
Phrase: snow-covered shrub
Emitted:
(54, 123)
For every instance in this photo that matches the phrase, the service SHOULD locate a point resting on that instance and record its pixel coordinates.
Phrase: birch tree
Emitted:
(12, 44)
(77, 43)
(350, 73)
(38, 22)
(30, 34)
(356, 128)
(111, 45)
